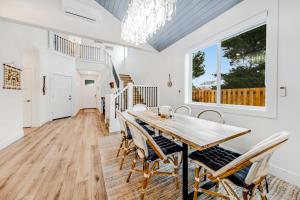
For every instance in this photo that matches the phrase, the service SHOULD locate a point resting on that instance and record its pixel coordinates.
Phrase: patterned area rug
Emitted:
(163, 187)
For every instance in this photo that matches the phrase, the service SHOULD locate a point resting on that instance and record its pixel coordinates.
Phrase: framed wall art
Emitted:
(12, 77)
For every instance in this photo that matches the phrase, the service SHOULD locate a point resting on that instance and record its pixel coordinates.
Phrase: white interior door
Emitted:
(89, 94)
(61, 96)
(27, 97)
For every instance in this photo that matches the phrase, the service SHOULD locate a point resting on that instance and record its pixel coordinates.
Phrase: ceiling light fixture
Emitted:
(144, 18)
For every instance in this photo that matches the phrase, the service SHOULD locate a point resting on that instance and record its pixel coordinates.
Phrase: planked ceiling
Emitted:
(190, 15)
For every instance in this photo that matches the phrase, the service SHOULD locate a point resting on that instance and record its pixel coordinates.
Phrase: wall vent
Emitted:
(81, 11)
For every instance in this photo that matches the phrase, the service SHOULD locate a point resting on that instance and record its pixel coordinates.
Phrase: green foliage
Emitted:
(246, 72)
(244, 77)
(198, 64)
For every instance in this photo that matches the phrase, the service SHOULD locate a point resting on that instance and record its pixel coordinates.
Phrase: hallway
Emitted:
(60, 160)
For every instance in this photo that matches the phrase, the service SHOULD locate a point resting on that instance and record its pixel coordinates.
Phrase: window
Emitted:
(204, 75)
(232, 71)
(89, 83)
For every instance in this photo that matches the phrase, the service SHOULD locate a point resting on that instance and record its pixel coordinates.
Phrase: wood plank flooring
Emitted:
(60, 160)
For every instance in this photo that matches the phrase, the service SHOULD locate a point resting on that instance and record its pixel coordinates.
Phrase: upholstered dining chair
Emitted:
(143, 107)
(247, 170)
(126, 145)
(139, 107)
(183, 109)
(220, 117)
(152, 150)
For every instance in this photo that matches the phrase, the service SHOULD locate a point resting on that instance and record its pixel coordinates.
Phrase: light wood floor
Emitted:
(60, 160)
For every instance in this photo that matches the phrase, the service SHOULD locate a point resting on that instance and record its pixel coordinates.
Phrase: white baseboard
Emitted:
(11, 140)
(285, 175)
(279, 172)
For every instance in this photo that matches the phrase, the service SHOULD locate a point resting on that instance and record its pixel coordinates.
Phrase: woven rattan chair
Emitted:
(216, 112)
(183, 109)
(151, 151)
(247, 171)
(126, 145)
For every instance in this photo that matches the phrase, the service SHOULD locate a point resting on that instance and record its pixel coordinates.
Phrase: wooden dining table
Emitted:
(200, 134)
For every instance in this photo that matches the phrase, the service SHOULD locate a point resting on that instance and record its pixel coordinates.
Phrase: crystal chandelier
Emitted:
(144, 18)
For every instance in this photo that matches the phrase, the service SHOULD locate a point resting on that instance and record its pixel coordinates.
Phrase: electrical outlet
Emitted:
(282, 91)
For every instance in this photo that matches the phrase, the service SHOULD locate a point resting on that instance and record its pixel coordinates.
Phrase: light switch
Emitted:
(282, 91)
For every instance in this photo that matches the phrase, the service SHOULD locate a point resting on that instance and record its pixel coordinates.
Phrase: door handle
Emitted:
(28, 101)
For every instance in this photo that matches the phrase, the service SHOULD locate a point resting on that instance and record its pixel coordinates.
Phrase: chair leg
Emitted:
(146, 179)
(176, 171)
(262, 192)
(125, 152)
(121, 145)
(245, 194)
(132, 167)
(205, 177)
(253, 192)
(196, 184)
(123, 158)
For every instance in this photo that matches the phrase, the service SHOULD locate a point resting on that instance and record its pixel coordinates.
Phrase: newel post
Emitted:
(130, 95)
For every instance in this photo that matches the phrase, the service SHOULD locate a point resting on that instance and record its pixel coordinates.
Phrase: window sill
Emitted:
(237, 109)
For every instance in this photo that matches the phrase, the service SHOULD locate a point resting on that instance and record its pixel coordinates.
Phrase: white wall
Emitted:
(24, 45)
(50, 15)
(13, 44)
(148, 68)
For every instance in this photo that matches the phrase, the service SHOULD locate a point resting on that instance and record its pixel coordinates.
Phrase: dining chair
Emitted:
(247, 170)
(210, 112)
(183, 109)
(141, 108)
(152, 150)
(126, 146)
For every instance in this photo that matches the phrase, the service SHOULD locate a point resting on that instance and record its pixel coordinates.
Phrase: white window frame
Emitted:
(270, 110)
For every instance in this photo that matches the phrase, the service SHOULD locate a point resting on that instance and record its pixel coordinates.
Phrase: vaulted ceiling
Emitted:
(190, 15)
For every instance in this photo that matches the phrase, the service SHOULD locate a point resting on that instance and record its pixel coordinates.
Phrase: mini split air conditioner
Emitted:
(81, 11)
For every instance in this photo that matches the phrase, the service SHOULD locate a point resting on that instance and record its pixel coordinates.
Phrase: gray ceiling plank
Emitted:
(216, 11)
(111, 5)
(191, 15)
(187, 24)
(181, 15)
(198, 10)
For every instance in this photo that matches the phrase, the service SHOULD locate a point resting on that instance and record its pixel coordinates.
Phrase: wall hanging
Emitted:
(44, 85)
(12, 77)
(170, 81)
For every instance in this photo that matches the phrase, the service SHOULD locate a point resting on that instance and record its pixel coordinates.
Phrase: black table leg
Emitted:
(185, 175)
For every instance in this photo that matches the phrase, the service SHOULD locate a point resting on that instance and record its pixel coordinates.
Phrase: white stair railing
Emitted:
(127, 98)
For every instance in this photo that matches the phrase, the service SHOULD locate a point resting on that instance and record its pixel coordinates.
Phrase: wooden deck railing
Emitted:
(242, 96)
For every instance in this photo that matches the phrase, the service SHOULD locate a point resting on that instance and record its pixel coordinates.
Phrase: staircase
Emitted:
(127, 98)
(125, 78)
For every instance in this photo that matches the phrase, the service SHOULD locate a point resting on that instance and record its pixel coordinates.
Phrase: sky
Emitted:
(211, 65)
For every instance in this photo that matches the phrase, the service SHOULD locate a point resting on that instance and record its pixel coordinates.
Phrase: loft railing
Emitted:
(90, 53)
(64, 46)
(81, 52)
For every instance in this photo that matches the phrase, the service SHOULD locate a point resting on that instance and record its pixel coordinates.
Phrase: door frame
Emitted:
(32, 74)
(52, 75)
(83, 79)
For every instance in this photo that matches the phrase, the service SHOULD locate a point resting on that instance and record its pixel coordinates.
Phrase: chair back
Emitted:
(183, 109)
(259, 156)
(212, 115)
(139, 107)
(141, 138)
(122, 121)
